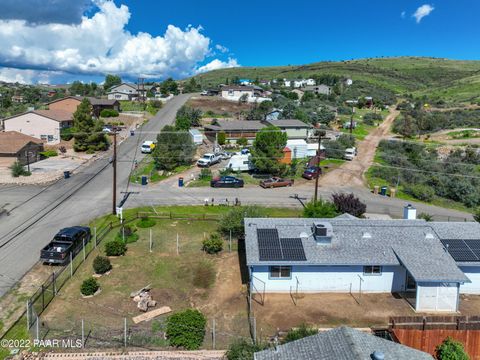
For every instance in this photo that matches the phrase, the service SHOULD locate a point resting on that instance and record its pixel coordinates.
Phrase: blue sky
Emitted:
(156, 39)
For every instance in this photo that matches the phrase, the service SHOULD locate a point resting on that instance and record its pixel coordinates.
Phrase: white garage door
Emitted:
(437, 297)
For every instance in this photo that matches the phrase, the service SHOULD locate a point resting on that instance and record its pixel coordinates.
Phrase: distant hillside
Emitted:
(451, 80)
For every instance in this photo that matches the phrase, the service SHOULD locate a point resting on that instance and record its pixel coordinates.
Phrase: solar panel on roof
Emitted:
(473, 244)
(460, 250)
(463, 255)
(292, 249)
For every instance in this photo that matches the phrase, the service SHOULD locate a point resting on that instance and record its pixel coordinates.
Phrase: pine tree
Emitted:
(88, 133)
(267, 150)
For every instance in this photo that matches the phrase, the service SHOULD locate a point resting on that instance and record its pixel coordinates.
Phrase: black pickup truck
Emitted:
(67, 241)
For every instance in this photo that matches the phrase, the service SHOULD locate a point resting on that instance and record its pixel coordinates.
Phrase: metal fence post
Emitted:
(95, 236)
(43, 298)
(150, 240)
(125, 331)
(213, 334)
(28, 315)
(83, 241)
(37, 327)
(254, 330)
(54, 284)
(71, 265)
(83, 334)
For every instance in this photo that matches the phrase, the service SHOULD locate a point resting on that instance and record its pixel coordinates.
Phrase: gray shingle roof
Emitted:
(236, 125)
(289, 123)
(342, 343)
(411, 243)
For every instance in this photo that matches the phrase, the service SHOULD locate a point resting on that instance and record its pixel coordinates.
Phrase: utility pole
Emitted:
(114, 164)
(321, 133)
(351, 121)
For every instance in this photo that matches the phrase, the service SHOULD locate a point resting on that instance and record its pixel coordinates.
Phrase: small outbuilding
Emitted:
(20, 147)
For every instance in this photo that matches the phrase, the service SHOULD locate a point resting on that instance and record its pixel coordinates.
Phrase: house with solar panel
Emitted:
(432, 262)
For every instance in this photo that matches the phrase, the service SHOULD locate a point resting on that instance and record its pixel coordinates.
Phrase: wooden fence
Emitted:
(448, 322)
(428, 340)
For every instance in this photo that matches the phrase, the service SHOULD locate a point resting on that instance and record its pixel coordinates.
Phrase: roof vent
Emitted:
(322, 232)
(366, 235)
(429, 236)
(378, 355)
(303, 235)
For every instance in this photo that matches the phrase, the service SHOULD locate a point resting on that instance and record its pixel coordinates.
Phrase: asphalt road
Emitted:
(37, 213)
(33, 221)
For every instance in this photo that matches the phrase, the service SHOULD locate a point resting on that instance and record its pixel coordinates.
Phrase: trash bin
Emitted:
(144, 180)
(375, 189)
(180, 181)
(132, 132)
(66, 174)
(383, 191)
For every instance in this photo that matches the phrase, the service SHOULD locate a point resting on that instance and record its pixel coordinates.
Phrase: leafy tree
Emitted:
(451, 349)
(308, 96)
(169, 86)
(233, 219)
(89, 286)
(267, 150)
(174, 148)
(372, 118)
(320, 209)
(299, 333)
(111, 80)
(221, 138)
(349, 204)
(325, 116)
(243, 141)
(186, 329)
(78, 88)
(191, 86)
(187, 117)
(89, 135)
(243, 350)
(243, 99)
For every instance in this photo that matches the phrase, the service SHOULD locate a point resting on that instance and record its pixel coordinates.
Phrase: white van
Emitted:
(147, 147)
(240, 162)
(350, 153)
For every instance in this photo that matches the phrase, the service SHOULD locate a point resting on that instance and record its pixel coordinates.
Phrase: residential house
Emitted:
(70, 104)
(273, 115)
(19, 99)
(234, 129)
(341, 343)
(245, 82)
(298, 83)
(431, 262)
(235, 92)
(41, 124)
(319, 89)
(20, 147)
(126, 91)
(295, 129)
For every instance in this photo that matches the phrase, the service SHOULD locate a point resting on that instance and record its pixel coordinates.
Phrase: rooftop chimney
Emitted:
(378, 355)
(409, 212)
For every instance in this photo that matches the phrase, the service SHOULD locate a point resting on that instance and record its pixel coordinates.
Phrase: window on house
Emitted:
(50, 138)
(230, 92)
(280, 272)
(372, 270)
(43, 137)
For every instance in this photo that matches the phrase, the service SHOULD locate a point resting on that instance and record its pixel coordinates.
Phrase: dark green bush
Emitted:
(298, 333)
(419, 191)
(17, 170)
(186, 329)
(372, 118)
(243, 350)
(66, 134)
(89, 286)
(145, 222)
(242, 141)
(101, 265)
(205, 173)
(105, 113)
(320, 209)
(48, 153)
(213, 244)
(232, 221)
(115, 248)
(222, 137)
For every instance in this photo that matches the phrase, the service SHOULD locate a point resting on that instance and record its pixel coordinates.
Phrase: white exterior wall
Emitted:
(235, 95)
(473, 273)
(118, 96)
(35, 125)
(437, 297)
(316, 279)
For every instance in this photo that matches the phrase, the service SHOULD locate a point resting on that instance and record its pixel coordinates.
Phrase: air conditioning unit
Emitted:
(322, 232)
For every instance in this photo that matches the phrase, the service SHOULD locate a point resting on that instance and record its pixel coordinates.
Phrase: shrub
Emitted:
(205, 174)
(243, 349)
(127, 235)
(204, 275)
(350, 204)
(101, 265)
(419, 191)
(476, 215)
(145, 222)
(89, 286)
(302, 331)
(451, 349)
(186, 329)
(66, 134)
(17, 170)
(320, 209)
(213, 244)
(105, 113)
(115, 248)
(242, 141)
(221, 138)
(90, 151)
(48, 153)
(372, 118)
(233, 219)
(425, 216)
(62, 149)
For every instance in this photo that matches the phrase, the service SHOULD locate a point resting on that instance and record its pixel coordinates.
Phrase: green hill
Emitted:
(451, 80)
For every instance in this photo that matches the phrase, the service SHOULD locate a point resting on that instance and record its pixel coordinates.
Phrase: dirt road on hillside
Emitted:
(352, 172)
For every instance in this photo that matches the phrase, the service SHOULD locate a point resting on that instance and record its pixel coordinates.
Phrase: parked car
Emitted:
(350, 153)
(147, 147)
(275, 182)
(312, 172)
(209, 159)
(226, 155)
(204, 93)
(67, 241)
(227, 182)
(107, 130)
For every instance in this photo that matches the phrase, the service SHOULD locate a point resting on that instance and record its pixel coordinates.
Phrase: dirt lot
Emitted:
(217, 105)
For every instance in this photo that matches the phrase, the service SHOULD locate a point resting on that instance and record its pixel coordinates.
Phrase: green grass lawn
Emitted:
(464, 134)
(147, 167)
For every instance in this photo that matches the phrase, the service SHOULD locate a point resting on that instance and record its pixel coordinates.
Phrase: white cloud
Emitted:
(100, 44)
(23, 76)
(218, 64)
(422, 11)
(221, 48)
(402, 14)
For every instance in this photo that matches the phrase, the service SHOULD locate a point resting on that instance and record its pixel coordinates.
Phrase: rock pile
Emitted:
(143, 298)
